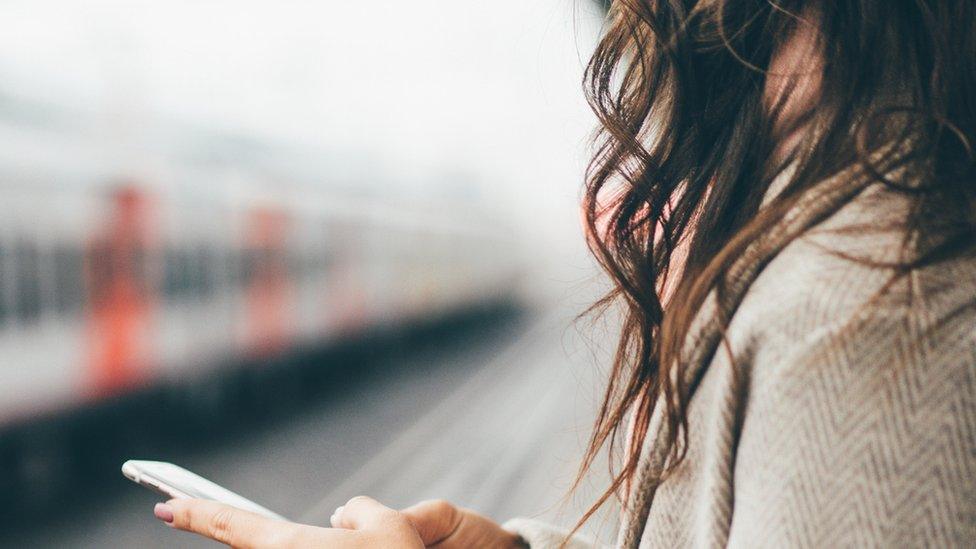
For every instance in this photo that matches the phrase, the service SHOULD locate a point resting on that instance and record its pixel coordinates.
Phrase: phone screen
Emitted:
(173, 481)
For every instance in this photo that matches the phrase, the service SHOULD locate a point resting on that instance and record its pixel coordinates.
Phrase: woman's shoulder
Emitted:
(860, 394)
(836, 280)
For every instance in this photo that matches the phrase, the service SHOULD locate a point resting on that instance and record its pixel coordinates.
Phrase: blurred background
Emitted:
(307, 249)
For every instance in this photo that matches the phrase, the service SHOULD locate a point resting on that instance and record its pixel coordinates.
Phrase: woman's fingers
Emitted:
(361, 523)
(377, 521)
(364, 513)
(434, 520)
(228, 525)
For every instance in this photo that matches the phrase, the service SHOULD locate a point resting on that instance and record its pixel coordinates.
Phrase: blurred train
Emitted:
(112, 283)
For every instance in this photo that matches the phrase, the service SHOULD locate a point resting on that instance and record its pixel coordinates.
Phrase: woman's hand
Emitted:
(362, 522)
(445, 526)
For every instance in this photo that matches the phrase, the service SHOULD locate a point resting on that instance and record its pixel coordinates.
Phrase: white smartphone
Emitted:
(173, 481)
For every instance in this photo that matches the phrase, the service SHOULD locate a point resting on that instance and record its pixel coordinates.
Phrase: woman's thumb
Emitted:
(435, 520)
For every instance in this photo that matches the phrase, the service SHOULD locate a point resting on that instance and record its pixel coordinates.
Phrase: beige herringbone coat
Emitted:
(829, 421)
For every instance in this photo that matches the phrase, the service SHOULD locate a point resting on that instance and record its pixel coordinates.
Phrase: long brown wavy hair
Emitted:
(685, 155)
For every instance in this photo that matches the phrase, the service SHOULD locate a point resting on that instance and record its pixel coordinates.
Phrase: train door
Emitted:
(120, 296)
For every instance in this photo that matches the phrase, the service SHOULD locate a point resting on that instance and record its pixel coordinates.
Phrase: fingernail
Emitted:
(338, 512)
(163, 512)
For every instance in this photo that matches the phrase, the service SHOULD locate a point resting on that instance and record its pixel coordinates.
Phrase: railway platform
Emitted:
(493, 419)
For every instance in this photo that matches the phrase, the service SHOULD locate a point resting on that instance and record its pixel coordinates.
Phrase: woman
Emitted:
(785, 197)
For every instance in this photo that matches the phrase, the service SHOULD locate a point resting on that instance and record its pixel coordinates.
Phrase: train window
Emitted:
(189, 273)
(175, 279)
(231, 268)
(324, 256)
(27, 300)
(296, 263)
(301, 263)
(250, 263)
(4, 309)
(68, 277)
(314, 261)
(203, 282)
(227, 273)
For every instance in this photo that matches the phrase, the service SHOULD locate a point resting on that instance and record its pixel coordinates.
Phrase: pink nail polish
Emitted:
(163, 512)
